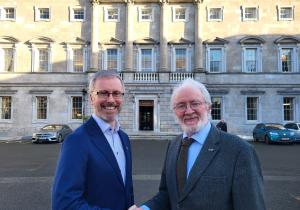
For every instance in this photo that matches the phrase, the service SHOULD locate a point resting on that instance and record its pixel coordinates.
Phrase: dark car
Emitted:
(51, 133)
(272, 133)
(295, 127)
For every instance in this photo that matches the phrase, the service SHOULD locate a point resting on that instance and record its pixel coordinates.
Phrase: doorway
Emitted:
(146, 109)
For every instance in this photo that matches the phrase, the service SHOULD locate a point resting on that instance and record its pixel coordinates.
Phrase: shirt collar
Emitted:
(201, 135)
(104, 126)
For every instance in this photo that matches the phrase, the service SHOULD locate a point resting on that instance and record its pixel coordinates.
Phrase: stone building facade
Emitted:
(245, 52)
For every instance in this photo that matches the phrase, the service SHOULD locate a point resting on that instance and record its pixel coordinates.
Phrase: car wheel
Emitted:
(59, 138)
(267, 140)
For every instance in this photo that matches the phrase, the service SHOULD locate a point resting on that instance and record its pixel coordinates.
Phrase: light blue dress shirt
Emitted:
(194, 149)
(114, 141)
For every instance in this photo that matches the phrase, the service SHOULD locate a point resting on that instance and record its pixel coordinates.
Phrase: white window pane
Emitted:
(180, 59)
(78, 60)
(215, 60)
(43, 60)
(112, 59)
(8, 60)
(146, 59)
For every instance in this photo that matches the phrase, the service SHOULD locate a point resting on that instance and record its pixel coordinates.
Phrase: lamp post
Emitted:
(84, 92)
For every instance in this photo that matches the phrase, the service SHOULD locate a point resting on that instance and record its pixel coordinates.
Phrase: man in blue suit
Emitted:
(205, 168)
(95, 169)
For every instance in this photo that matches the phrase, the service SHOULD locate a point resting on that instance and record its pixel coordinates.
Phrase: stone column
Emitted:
(129, 37)
(198, 37)
(163, 39)
(94, 35)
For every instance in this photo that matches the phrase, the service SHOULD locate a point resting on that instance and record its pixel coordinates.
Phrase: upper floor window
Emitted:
(112, 59)
(5, 107)
(252, 108)
(7, 13)
(146, 58)
(43, 59)
(288, 108)
(250, 13)
(215, 59)
(286, 57)
(112, 14)
(215, 14)
(77, 13)
(285, 13)
(180, 14)
(180, 59)
(145, 14)
(216, 108)
(7, 59)
(42, 14)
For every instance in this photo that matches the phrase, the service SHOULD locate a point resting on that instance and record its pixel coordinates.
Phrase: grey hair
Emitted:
(104, 74)
(190, 83)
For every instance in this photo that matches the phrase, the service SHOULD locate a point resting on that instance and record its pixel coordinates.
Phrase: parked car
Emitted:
(295, 127)
(272, 132)
(51, 133)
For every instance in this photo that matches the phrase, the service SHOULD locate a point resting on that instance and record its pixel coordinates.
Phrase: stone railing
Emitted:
(146, 77)
(175, 76)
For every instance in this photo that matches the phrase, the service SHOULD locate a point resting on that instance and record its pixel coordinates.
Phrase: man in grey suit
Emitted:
(221, 171)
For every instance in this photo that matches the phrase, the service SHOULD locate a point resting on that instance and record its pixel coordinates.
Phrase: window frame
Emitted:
(215, 19)
(3, 13)
(11, 108)
(279, 8)
(258, 58)
(140, 15)
(37, 14)
(295, 60)
(221, 107)
(258, 115)
(106, 17)
(153, 59)
(105, 58)
(244, 18)
(72, 14)
(35, 111)
(70, 57)
(223, 56)
(187, 58)
(293, 112)
(174, 15)
(71, 97)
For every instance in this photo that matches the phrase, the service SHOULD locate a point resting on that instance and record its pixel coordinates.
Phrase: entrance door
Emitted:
(146, 115)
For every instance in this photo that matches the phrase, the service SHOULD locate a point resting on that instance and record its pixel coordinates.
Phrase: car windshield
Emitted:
(275, 127)
(52, 127)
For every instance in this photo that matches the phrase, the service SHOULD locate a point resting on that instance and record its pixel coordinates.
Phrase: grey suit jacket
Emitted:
(225, 176)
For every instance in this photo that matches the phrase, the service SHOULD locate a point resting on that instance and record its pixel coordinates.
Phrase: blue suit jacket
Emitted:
(88, 175)
(225, 176)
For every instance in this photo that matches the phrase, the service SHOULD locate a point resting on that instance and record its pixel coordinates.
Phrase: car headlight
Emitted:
(292, 133)
(273, 133)
(34, 135)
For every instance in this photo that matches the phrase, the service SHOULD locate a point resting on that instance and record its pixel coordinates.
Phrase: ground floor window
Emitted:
(5, 107)
(288, 109)
(252, 108)
(76, 107)
(146, 108)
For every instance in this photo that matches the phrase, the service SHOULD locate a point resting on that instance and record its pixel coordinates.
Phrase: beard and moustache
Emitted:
(190, 130)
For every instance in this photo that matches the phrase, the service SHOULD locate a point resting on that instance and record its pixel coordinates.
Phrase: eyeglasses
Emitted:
(182, 107)
(105, 94)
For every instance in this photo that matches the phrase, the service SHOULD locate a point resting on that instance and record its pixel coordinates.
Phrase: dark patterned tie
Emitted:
(182, 162)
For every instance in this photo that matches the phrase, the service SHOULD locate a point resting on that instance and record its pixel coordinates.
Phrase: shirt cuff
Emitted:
(144, 207)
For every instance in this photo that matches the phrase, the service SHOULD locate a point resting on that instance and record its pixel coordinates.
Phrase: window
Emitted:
(288, 109)
(7, 13)
(145, 14)
(252, 108)
(43, 60)
(250, 58)
(286, 13)
(180, 59)
(7, 60)
(78, 60)
(77, 13)
(215, 14)
(146, 60)
(112, 59)
(180, 14)
(77, 107)
(42, 14)
(41, 107)
(216, 108)
(112, 14)
(215, 59)
(5, 107)
(250, 13)
(286, 59)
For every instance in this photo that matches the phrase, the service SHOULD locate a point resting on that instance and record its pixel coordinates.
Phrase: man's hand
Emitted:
(134, 207)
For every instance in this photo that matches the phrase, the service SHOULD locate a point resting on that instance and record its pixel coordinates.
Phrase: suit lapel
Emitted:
(98, 139)
(206, 155)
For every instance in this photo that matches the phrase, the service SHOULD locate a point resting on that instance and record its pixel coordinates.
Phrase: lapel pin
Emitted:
(211, 149)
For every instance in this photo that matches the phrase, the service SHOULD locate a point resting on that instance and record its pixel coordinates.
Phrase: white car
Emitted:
(51, 133)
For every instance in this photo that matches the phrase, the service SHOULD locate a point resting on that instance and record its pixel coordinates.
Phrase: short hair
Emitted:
(191, 83)
(104, 74)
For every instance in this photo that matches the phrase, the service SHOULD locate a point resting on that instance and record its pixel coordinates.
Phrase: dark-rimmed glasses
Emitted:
(105, 94)
(182, 107)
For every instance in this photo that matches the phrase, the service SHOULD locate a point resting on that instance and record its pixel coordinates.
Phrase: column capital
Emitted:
(129, 1)
(163, 2)
(93, 2)
(198, 1)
